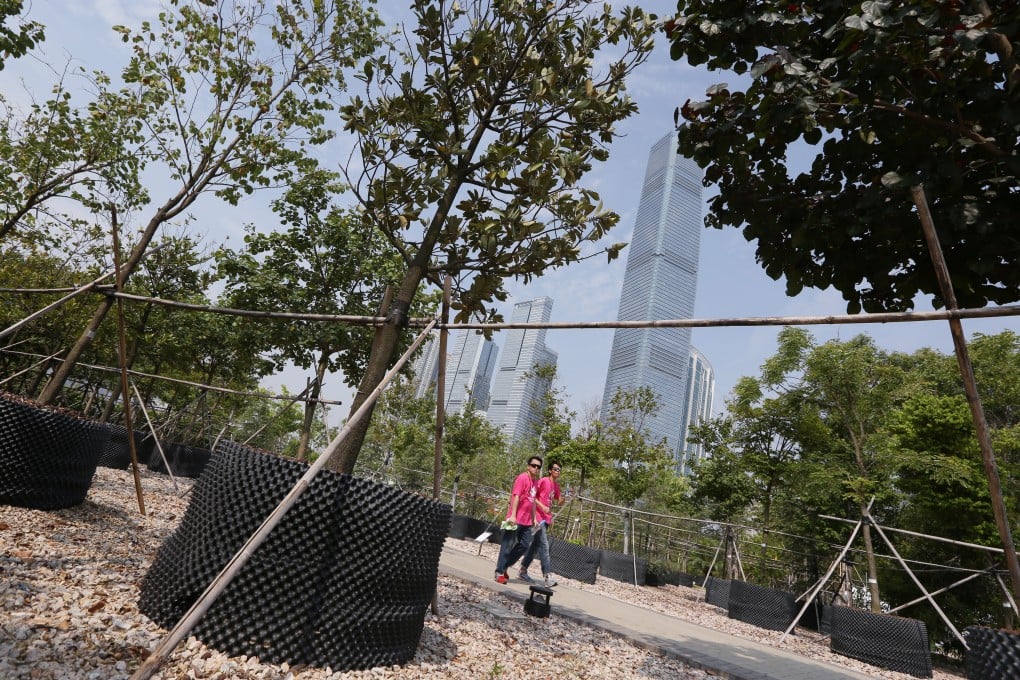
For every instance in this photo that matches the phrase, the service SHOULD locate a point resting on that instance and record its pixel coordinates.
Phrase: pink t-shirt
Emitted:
(546, 490)
(524, 487)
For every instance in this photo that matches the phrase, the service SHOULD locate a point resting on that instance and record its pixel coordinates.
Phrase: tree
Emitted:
(636, 460)
(902, 93)
(472, 143)
(231, 97)
(855, 388)
(325, 262)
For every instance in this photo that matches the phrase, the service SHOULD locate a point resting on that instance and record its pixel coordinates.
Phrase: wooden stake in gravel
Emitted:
(219, 584)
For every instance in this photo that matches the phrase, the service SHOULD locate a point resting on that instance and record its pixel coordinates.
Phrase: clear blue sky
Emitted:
(730, 283)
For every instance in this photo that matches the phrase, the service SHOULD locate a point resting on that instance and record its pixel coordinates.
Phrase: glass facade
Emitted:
(515, 393)
(470, 363)
(660, 282)
(697, 407)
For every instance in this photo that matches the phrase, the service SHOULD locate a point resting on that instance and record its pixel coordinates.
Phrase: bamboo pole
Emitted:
(155, 438)
(881, 317)
(122, 359)
(917, 582)
(437, 459)
(825, 579)
(53, 305)
(219, 584)
(176, 381)
(26, 370)
(960, 582)
(986, 548)
(970, 386)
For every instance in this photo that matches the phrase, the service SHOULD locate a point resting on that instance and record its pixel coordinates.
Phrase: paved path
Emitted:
(701, 647)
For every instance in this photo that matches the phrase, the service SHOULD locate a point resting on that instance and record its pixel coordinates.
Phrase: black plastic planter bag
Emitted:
(992, 654)
(47, 457)
(185, 461)
(893, 642)
(116, 454)
(344, 580)
(574, 561)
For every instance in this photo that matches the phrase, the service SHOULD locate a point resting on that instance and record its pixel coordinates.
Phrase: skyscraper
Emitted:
(660, 282)
(697, 407)
(516, 390)
(470, 362)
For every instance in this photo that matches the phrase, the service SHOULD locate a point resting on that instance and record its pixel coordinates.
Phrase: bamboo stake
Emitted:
(437, 460)
(825, 579)
(830, 319)
(155, 438)
(219, 584)
(26, 370)
(917, 582)
(53, 305)
(960, 582)
(987, 548)
(122, 360)
(970, 386)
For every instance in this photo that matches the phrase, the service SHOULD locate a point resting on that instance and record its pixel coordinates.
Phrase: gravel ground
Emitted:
(69, 584)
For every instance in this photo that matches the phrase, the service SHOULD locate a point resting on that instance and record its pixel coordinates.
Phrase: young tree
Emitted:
(231, 98)
(325, 262)
(896, 93)
(472, 143)
(635, 459)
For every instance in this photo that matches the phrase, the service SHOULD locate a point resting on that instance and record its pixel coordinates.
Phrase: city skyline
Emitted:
(517, 388)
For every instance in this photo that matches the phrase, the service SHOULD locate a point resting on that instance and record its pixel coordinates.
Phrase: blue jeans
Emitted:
(513, 546)
(539, 544)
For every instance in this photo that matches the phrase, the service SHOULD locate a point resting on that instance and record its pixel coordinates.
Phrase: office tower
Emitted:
(697, 407)
(516, 391)
(470, 362)
(660, 282)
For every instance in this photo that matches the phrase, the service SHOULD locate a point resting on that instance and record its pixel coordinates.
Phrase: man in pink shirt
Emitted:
(520, 517)
(547, 491)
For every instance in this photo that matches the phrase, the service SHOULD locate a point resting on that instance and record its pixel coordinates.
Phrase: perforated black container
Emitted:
(47, 457)
(893, 642)
(344, 581)
(992, 653)
(761, 606)
(185, 461)
(116, 453)
(574, 561)
(620, 567)
(717, 592)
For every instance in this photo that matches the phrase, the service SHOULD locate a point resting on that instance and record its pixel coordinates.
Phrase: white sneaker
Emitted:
(550, 581)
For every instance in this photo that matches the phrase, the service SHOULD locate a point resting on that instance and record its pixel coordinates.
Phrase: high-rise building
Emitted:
(516, 389)
(697, 407)
(470, 362)
(660, 282)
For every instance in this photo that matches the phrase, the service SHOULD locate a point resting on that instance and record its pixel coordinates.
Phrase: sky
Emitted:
(730, 282)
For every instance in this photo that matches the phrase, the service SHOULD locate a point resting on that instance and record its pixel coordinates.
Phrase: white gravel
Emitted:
(69, 583)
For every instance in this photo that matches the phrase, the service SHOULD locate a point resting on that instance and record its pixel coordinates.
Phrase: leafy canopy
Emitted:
(881, 95)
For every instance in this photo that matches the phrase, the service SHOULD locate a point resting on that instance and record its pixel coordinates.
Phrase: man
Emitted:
(520, 517)
(547, 491)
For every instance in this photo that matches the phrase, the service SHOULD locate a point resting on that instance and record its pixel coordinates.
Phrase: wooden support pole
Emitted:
(970, 387)
(917, 582)
(122, 360)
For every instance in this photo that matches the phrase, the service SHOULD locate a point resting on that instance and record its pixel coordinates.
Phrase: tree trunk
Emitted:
(876, 604)
(384, 345)
(311, 402)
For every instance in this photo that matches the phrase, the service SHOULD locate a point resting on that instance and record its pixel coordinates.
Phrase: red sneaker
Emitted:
(502, 578)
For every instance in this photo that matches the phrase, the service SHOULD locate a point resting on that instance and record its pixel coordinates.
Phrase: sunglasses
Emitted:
(555, 469)
(536, 465)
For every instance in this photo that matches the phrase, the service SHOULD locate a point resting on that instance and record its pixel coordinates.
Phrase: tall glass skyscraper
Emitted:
(470, 363)
(660, 282)
(515, 390)
(697, 407)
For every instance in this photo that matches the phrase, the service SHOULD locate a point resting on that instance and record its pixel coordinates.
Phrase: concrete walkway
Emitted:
(701, 647)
